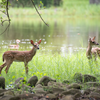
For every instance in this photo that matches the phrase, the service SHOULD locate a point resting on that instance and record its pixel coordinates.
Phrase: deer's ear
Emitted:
(89, 39)
(32, 42)
(39, 41)
(93, 38)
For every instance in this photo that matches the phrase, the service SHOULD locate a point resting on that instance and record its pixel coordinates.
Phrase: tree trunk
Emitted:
(94, 1)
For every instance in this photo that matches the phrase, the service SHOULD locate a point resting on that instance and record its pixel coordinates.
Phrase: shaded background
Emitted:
(68, 32)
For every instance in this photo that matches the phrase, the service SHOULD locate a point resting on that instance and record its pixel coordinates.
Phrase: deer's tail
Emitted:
(3, 58)
(98, 52)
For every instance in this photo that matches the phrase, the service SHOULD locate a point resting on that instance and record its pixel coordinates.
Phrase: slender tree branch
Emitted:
(7, 17)
(3, 12)
(7, 10)
(3, 22)
(38, 12)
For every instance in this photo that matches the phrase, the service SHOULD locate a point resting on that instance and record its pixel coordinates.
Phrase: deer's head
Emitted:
(36, 45)
(92, 41)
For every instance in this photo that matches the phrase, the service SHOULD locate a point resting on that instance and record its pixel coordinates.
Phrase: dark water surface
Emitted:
(64, 36)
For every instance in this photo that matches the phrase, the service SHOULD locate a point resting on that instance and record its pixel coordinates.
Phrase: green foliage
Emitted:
(4, 8)
(87, 11)
(3, 3)
(55, 66)
(27, 3)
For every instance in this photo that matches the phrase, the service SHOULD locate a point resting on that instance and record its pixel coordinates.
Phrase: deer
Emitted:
(19, 56)
(15, 46)
(92, 52)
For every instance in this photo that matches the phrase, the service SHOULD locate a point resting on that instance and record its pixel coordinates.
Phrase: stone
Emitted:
(71, 92)
(89, 78)
(2, 82)
(77, 95)
(15, 98)
(25, 96)
(32, 81)
(50, 96)
(26, 88)
(74, 86)
(9, 92)
(6, 97)
(38, 90)
(78, 77)
(42, 99)
(44, 80)
(87, 91)
(3, 90)
(54, 90)
(68, 97)
(57, 85)
(95, 95)
(66, 81)
(19, 80)
(1, 94)
(91, 84)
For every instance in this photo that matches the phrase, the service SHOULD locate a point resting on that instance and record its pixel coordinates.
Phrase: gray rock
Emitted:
(1, 94)
(44, 80)
(23, 87)
(26, 96)
(75, 86)
(87, 91)
(54, 90)
(78, 77)
(89, 78)
(71, 92)
(6, 97)
(32, 81)
(42, 99)
(95, 95)
(2, 82)
(50, 96)
(66, 81)
(18, 86)
(26, 88)
(91, 84)
(77, 95)
(38, 90)
(9, 92)
(15, 98)
(19, 80)
(57, 85)
(68, 97)
(3, 90)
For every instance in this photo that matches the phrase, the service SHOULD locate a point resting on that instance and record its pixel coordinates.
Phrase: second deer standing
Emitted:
(19, 56)
(15, 46)
(92, 52)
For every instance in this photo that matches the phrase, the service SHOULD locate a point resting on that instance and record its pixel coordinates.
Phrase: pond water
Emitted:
(62, 36)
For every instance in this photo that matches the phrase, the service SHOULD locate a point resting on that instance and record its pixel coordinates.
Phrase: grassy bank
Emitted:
(87, 11)
(69, 9)
(72, 8)
(54, 66)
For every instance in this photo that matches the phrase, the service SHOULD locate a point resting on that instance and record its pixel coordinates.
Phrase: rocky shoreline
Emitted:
(85, 87)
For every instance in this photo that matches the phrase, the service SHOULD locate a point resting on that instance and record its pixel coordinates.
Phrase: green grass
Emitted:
(55, 66)
(86, 11)
(68, 10)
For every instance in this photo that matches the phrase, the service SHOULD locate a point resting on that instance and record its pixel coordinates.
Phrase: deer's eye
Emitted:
(34, 45)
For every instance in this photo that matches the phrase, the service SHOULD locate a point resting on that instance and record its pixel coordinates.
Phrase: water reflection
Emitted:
(64, 37)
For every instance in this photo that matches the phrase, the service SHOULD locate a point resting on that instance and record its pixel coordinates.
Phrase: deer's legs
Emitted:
(26, 67)
(8, 65)
(2, 66)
